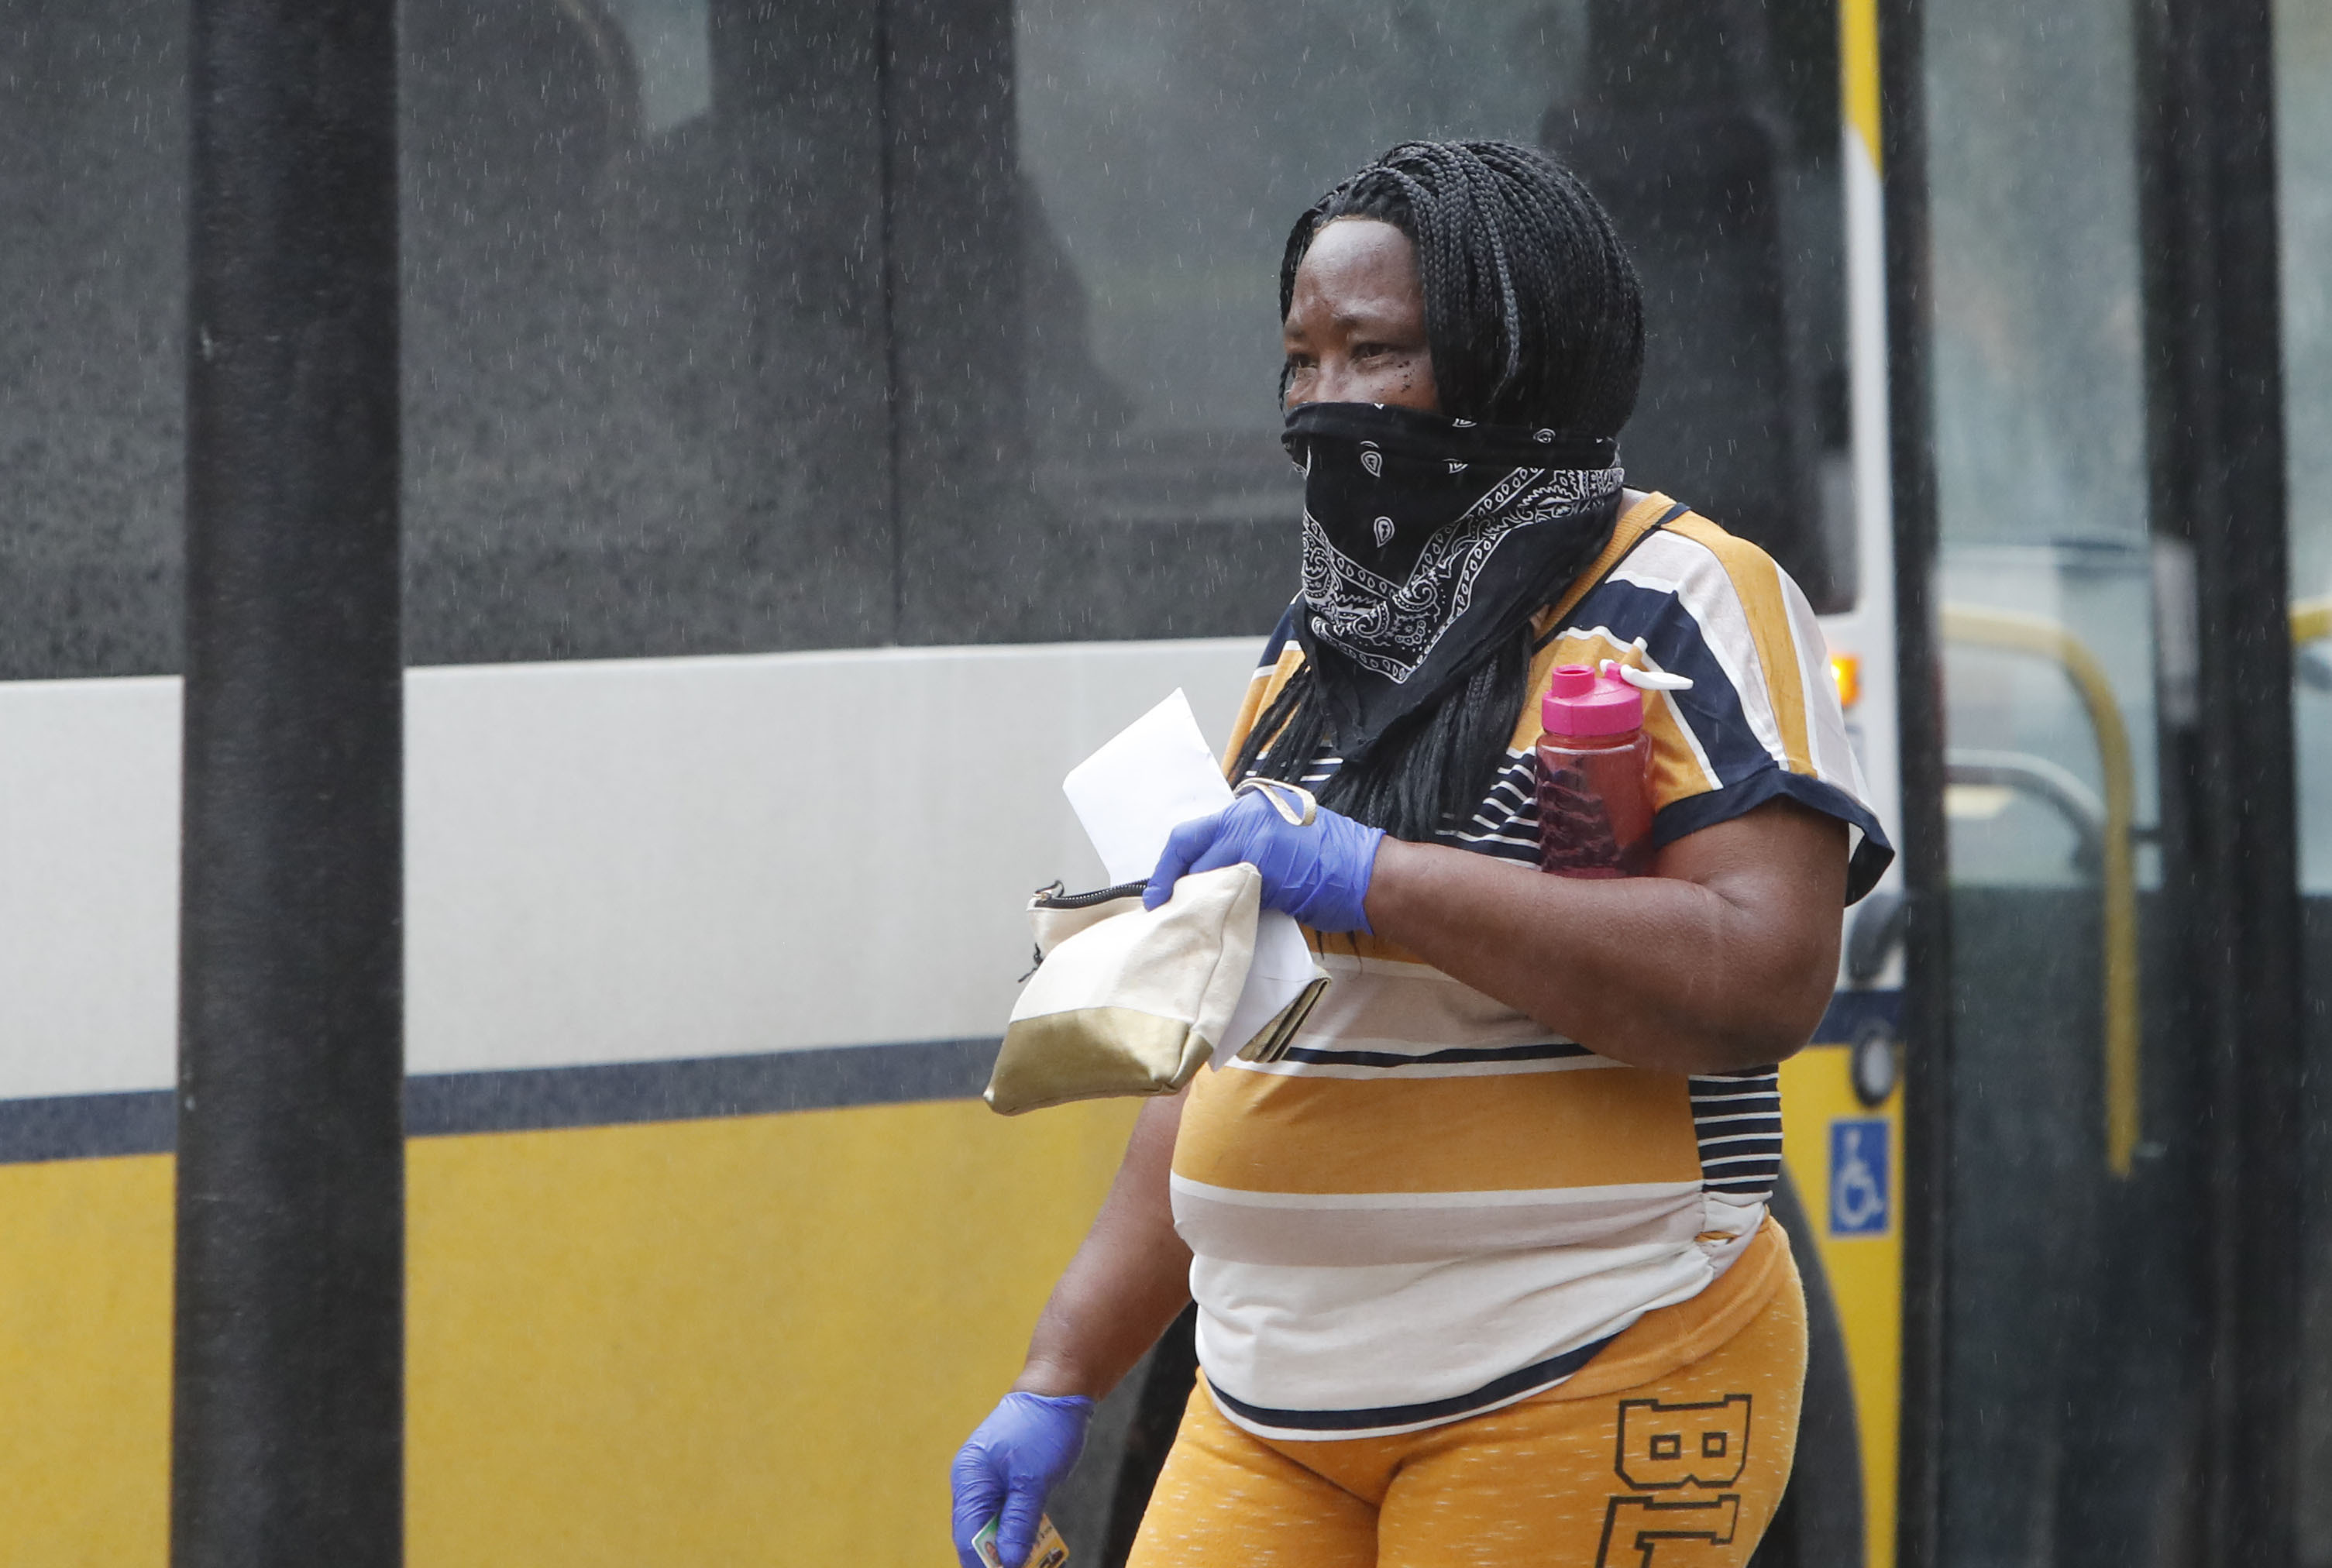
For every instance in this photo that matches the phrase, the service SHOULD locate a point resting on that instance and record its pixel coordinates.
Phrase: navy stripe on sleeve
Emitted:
(1872, 856)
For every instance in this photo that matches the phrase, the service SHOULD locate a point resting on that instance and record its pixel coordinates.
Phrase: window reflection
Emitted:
(672, 41)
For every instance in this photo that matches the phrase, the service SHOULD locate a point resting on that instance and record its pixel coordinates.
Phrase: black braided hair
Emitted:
(1535, 317)
(1532, 308)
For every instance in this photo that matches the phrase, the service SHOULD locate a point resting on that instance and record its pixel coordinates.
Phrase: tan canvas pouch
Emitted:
(1127, 1001)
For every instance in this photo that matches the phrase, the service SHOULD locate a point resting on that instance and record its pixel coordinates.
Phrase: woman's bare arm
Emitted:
(1126, 1283)
(1723, 959)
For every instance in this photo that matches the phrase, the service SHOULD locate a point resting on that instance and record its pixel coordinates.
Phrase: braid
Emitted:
(1430, 769)
(1535, 317)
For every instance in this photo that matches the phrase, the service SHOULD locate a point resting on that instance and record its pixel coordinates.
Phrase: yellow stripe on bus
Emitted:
(85, 1363)
(1857, 49)
(748, 1340)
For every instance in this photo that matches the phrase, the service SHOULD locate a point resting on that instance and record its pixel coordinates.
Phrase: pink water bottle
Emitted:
(1594, 776)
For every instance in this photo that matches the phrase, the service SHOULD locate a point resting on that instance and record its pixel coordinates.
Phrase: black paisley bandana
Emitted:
(1428, 543)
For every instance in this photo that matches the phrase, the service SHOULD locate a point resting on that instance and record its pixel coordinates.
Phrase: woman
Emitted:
(1483, 1267)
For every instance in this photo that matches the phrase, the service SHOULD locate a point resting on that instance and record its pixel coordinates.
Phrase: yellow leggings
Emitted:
(1684, 1465)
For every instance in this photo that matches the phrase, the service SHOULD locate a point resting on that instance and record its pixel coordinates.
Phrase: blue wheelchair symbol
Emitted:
(1858, 1177)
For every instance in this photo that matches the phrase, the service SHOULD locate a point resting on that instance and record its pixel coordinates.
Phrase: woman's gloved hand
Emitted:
(1316, 870)
(1009, 1465)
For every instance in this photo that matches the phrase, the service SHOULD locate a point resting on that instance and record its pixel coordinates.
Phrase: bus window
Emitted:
(93, 173)
(734, 327)
(1717, 150)
(1168, 149)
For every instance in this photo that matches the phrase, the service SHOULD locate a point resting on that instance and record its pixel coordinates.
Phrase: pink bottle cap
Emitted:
(1579, 702)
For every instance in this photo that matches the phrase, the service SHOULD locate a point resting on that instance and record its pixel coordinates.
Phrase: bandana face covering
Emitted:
(1427, 541)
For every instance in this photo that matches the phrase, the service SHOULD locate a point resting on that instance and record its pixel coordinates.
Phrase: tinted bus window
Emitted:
(93, 274)
(1168, 149)
(734, 327)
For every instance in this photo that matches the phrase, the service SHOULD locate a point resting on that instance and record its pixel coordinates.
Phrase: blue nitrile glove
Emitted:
(1008, 1464)
(1317, 872)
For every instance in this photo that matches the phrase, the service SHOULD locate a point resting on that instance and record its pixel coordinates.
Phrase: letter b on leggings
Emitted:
(1683, 1445)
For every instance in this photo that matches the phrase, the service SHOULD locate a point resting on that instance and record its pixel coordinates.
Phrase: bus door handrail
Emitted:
(2013, 631)
(2039, 779)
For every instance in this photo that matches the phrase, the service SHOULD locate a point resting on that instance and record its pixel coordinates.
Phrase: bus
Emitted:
(825, 424)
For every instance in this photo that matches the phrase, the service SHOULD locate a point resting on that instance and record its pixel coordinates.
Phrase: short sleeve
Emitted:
(1761, 719)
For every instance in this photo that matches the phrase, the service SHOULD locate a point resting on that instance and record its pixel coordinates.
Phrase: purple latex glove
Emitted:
(1317, 872)
(1008, 1464)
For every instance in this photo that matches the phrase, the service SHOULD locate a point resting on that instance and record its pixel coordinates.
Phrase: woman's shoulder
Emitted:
(1742, 559)
(1692, 535)
(1665, 557)
(1688, 598)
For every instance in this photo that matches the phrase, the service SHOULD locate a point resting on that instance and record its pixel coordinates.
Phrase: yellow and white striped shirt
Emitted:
(1430, 1205)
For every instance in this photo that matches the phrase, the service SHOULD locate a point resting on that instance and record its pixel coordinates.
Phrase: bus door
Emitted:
(2107, 1043)
(823, 425)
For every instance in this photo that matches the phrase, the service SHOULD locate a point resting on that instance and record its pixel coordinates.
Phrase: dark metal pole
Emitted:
(286, 1443)
(2223, 354)
(1926, 859)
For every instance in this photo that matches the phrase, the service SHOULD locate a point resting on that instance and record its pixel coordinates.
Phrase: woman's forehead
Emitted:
(1360, 266)
(1352, 237)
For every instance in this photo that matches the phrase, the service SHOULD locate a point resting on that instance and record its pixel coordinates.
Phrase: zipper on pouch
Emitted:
(1050, 895)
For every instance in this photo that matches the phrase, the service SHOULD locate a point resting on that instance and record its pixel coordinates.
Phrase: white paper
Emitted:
(1283, 968)
(1154, 775)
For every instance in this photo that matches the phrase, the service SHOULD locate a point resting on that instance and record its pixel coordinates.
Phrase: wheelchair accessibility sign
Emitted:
(1858, 1177)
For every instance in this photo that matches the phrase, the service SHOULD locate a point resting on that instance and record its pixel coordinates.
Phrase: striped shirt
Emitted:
(1431, 1206)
